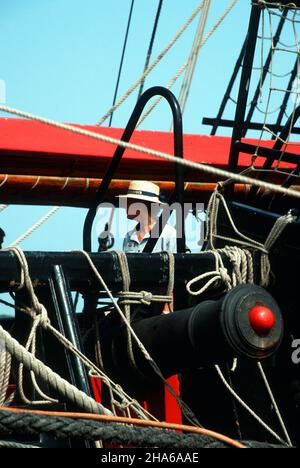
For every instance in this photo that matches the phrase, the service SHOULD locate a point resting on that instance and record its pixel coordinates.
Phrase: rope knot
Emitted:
(42, 316)
(224, 275)
(146, 297)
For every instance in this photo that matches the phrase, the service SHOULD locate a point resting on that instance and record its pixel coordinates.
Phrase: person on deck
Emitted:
(143, 205)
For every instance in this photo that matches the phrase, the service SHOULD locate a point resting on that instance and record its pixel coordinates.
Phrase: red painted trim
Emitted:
(172, 409)
(32, 146)
(97, 388)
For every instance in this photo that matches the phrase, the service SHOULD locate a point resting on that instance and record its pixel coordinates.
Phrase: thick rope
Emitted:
(168, 157)
(38, 311)
(44, 372)
(5, 367)
(5, 444)
(94, 371)
(31, 424)
(153, 64)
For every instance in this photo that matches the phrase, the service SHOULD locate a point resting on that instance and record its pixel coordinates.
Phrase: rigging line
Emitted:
(247, 408)
(35, 226)
(194, 55)
(183, 406)
(150, 48)
(122, 60)
(184, 66)
(158, 154)
(153, 64)
(35, 311)
(92, 367)
(265, 65)
(268, 387)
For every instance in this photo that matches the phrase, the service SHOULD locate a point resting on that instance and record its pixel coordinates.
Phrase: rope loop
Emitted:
(146, 297)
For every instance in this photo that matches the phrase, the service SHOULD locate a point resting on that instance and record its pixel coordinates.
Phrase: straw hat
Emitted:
(143, 190)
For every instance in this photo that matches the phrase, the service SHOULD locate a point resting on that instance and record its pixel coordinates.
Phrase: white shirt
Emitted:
(166, 242)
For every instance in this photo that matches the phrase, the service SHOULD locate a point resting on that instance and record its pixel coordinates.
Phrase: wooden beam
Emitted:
(32, 148)
(80, 192)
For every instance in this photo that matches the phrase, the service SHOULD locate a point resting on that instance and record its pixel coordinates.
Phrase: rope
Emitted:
(153, 64)
(94, 370)
(38, 310)
(247, 408)
(35, 226)
(146, 432)
(126, 286)
(150, 48)
(44, 372)
(173, 159)
(122, 59)
(186, 64)
(142, 297)
(275, 405)
(31, 347)
(5, 444)
(242, 273)
(194, 55)
(276, 231)
(5, 366)
(126, 319)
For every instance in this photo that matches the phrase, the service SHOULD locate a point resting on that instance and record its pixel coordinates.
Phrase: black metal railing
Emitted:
(178, 195)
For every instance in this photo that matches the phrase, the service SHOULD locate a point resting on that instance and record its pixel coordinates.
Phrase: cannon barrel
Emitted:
(246, 321)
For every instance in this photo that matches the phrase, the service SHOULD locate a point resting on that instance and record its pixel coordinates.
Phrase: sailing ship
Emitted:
(222, 368)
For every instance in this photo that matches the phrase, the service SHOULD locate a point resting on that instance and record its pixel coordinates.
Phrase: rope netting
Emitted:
(275, 102)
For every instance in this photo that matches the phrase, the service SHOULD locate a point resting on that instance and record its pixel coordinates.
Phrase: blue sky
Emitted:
(59, 59)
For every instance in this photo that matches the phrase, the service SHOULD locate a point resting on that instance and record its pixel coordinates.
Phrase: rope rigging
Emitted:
(242, 273)
(39, 315)
(122, 59)
(194, 55)
(150, 48)
(153, 64)
(185, 65)
(240, 257)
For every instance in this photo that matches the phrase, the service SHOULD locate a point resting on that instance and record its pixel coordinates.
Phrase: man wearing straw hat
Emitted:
(143, 205)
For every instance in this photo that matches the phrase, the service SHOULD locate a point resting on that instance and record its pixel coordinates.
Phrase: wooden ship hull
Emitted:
(229, 346)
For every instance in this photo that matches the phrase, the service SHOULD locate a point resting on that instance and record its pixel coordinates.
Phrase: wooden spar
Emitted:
(80, 192)
(32, 148)
(45, 165)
